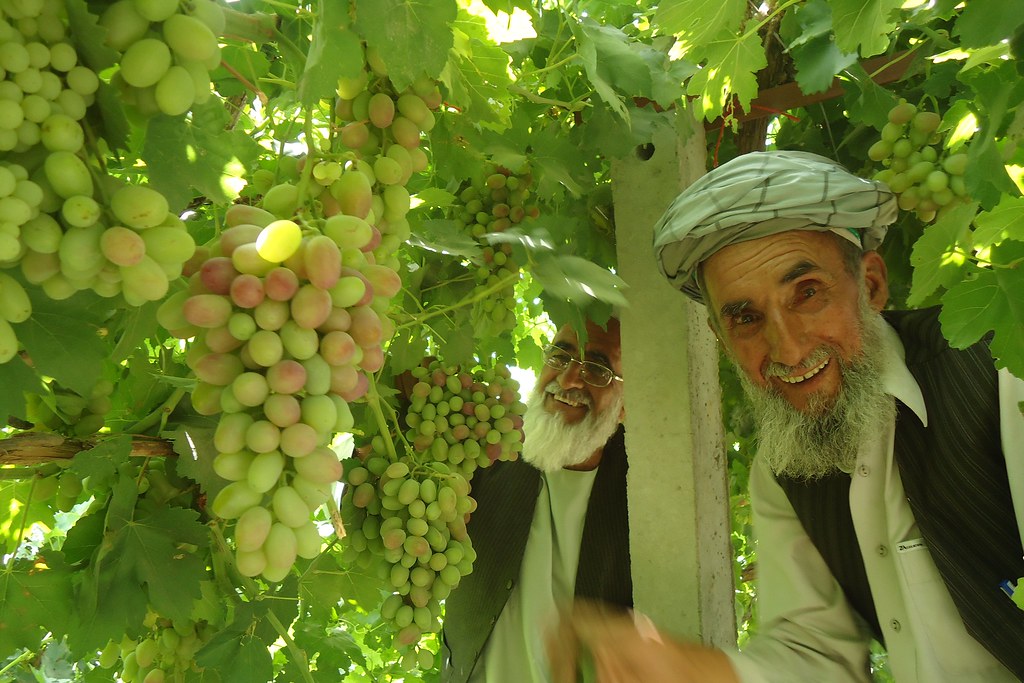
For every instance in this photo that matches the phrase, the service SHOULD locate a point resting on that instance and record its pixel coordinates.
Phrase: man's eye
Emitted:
(808, 292)
(743, 319)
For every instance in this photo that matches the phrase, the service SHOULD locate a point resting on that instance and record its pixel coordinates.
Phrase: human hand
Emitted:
(605, 646)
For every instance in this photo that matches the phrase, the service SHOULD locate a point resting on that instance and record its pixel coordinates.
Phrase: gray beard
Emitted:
(552, 444)
(826, 436)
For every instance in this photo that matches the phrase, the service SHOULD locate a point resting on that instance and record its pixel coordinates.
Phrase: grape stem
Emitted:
(159, 415)
(298, 654)
(16, 661)
(479, 296)
(260, 95)
(373, 400)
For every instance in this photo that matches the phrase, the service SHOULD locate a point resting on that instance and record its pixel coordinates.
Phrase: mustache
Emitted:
(816, 358)
(577, 396)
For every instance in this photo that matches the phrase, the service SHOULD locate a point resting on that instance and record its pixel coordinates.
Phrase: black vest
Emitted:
(506, 494)
(954, 475)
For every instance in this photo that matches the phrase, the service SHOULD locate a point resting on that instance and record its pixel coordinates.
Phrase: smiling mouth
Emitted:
(806, 376)
(569, 400)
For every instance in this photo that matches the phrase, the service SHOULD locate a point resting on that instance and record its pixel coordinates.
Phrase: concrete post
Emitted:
(678, 492)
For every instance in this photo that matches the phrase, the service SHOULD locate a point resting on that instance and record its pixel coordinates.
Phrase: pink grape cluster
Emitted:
(284, 336)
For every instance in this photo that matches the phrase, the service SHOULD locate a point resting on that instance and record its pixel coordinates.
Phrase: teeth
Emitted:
(810, 373)
(562, 398)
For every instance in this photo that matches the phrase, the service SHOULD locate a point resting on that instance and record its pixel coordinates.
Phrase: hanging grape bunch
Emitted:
(925, 178)
(168, 50)
(493, 203)
(464, 419)
(65, 231)
(406, 515)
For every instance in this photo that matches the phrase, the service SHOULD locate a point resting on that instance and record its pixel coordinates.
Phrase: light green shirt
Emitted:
(515, 652)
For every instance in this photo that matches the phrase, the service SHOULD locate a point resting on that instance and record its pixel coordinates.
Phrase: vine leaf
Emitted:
(101, 462)
(939, 255)
(17, 379)
(578, 280)
(1004, 222)
(699, 21)
(413, 36)
(64, 340)
(334, 52)
(199, 154)
(34, 598)
(443, 236)
(478, 74)
(976, 28)
(994, 301)
(732, 62)
(864, 23)
(815, 55)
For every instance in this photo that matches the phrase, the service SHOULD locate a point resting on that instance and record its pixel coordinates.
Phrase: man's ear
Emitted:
(876, 279)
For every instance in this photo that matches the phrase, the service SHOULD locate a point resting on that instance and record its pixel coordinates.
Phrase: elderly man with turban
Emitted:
(888, 486)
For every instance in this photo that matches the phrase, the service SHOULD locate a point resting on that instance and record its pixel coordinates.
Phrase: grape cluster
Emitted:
(284, 335)
(65, 231)
(493, 203)
(165, 653)
(66, 411)
(15, 307)
(408, 524)
(407, 515)
(42, 85)
(926, 178)
(168, 49)
(465, 419)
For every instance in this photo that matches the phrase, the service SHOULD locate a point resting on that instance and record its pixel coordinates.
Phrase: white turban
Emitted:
(763, 193)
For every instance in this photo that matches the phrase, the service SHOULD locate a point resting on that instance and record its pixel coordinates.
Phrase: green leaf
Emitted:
(940, 254)
(238, 656)
(696, 22)
(994, 301)
(324, 586)
(63, 339)
(406, 349)
(194, 446)
(248, 61)
(198, 154)
(89, 37)
(34, 598)
(101, 462)
(336, 647)
(17, 379)
(578, 280)
(477, 77)
(553, 156)
(732, 63)
(864, 24)
(1004, 222)
(815, 55)
(136, 325)
(435, 197)
(443, 236)
(413, 36)
(334, 52)
(975, 25)
(865, 100)
(611, 64)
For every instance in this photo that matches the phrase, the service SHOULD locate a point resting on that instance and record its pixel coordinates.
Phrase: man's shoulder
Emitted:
(920, 331)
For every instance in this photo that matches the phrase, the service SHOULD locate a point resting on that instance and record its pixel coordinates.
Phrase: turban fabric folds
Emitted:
(763, 193)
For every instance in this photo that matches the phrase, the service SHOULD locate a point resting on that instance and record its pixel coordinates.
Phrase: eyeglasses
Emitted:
(594, 374)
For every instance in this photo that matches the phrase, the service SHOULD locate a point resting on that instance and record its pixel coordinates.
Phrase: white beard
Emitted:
(552, 444)
(827, 436)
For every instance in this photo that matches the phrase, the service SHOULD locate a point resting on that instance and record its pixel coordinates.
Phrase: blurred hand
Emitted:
(627, 648)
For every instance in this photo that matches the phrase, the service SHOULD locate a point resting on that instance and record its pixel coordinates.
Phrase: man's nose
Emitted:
(571, 375)
(786, 337)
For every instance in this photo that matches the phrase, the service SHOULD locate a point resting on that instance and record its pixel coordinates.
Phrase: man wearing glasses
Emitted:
(550, 526)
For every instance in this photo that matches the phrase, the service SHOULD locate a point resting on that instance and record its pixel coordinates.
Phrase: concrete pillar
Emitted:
(677, 486)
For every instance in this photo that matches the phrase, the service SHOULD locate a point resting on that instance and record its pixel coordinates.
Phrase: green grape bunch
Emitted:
(406, 515)
(492, 203)
(168, 49)
(926, 178)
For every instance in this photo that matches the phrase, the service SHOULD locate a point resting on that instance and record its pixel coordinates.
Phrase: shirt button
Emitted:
(894, 624)
(508, 586)
(863, 470)
(882, 551)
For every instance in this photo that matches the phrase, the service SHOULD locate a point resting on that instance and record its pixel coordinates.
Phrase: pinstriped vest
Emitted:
(954, 475)
(506, 494)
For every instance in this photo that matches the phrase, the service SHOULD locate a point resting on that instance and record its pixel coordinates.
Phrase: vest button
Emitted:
(895, 625)
(863, 470)
(508, 585)
(882, 551)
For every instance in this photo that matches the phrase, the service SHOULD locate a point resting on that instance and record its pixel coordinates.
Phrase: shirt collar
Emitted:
(896, 377)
